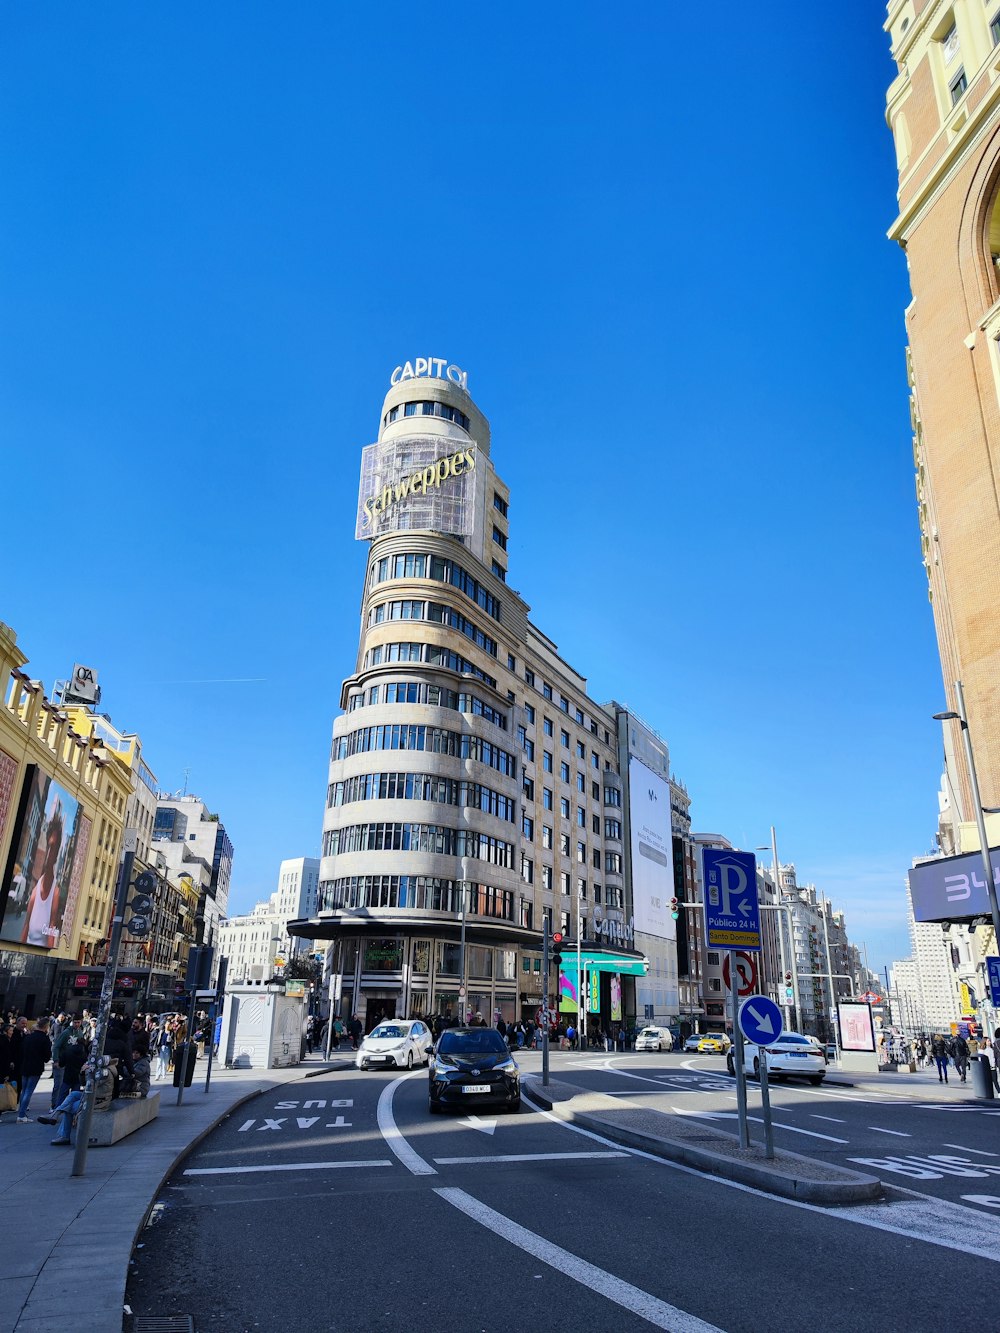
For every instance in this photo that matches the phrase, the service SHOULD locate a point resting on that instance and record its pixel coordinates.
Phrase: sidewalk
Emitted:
(68, 1240)
(923, 1085)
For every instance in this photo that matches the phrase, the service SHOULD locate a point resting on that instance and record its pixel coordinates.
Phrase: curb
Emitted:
(189, 1148)
(852, 1187)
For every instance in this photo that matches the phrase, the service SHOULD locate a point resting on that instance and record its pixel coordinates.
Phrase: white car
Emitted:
(654, 1039)
(787, 1055)
(395, 1045)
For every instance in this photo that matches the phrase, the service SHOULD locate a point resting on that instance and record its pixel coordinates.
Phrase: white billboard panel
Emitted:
(652, 851)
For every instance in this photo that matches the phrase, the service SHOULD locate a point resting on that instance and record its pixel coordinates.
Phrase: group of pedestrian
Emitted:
(955, 1052)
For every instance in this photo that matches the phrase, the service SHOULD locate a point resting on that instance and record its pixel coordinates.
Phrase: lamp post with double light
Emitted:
(977, 801)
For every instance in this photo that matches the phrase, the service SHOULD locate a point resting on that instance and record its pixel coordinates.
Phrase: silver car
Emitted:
(395, 1045)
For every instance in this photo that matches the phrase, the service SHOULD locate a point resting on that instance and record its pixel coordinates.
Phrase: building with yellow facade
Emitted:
(944, 112)
(63, 804)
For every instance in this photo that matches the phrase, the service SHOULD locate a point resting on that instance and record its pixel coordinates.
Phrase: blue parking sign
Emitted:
(993, 972)
(732, 913)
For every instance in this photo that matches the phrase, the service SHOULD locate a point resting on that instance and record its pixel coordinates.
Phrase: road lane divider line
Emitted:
(278, 1166)
(616, 1289)
(896, 1133)
(528, 1157)
(980, 1152)
(389, 1130)
(837, 1120)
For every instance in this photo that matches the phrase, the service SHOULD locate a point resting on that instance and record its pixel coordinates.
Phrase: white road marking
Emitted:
(654, 1311)
(474, 1122)
(980, 1152)
(836, 1119)
(394, 1140)
(758, 1120)
(896, 1133)
(933, 1220)
(527, 1157)
(984, 1200)
(277, 1166)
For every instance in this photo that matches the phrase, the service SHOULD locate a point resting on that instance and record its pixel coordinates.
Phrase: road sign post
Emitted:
(545, 1001)
(760, 1022)
(765, 1101)
(741, 1081)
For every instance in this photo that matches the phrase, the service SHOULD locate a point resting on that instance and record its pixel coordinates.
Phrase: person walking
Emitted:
(939, 1049)
(960, 1050)
(987, 1053)
(164, 1049)
(355, 1029)
(36, 1052)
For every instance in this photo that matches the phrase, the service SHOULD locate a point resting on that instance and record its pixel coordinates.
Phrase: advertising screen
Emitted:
(46, 865)
(652, 851)
(857, 1032)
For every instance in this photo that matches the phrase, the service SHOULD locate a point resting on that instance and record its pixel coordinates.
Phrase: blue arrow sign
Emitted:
(993, 972)
(732, 914)
(760, 1020)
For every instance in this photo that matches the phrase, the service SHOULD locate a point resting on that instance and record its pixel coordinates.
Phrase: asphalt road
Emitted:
(946, 1146)
(339, 1203)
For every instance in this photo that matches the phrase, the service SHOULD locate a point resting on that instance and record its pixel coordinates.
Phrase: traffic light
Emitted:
(675, 908)
(557, 940)
(788, 978)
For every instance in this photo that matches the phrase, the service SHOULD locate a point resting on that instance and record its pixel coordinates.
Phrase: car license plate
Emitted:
(476, 1087)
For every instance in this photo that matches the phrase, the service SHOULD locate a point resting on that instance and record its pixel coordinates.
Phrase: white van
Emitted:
(654, 1039)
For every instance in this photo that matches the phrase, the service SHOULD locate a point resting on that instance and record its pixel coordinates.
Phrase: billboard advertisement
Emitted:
(652, 851)
(46, 864)
(417, 482)
(952, 888)
(857, 1031)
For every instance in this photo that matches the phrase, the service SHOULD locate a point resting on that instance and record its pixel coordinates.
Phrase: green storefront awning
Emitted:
(602, 962)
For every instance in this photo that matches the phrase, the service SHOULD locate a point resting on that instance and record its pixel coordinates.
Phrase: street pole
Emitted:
(545, 1000)
(781, 929)
(581, 1012)
(130, 843)
(977, 802)
(765, 1102)
(463, 989)
(829, 973)
(741, 1087)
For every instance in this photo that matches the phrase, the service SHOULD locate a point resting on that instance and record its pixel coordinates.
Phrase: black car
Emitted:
(472, 1067)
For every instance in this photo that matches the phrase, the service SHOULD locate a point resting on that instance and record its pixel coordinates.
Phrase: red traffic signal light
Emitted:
(788, 978)
(557, 937)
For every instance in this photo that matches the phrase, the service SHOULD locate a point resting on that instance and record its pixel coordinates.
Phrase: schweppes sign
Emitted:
(428, 479)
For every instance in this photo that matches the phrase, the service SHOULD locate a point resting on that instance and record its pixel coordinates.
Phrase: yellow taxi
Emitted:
(714, 1043)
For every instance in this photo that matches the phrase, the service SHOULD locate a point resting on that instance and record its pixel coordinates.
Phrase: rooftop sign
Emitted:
(430, 367)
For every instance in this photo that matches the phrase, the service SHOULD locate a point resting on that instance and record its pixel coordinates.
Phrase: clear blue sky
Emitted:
(656, 242)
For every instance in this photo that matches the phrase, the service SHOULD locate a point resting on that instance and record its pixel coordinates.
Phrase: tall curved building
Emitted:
(943, 108)
(474, 786)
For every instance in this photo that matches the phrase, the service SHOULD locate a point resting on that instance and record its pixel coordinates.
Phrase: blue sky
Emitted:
(658, 247)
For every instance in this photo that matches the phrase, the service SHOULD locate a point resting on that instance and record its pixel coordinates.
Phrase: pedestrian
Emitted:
(960, 1052)
(355, 1030)
(338, 1032)
(36, 1052)
(163, 1048)
(988, 1055)
(939, 1049)
(69, 1053)
(502, 1026)
(17, 1036)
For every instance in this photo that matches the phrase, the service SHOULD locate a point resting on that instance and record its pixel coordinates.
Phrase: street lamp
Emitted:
(782, 906)
(977, 801)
